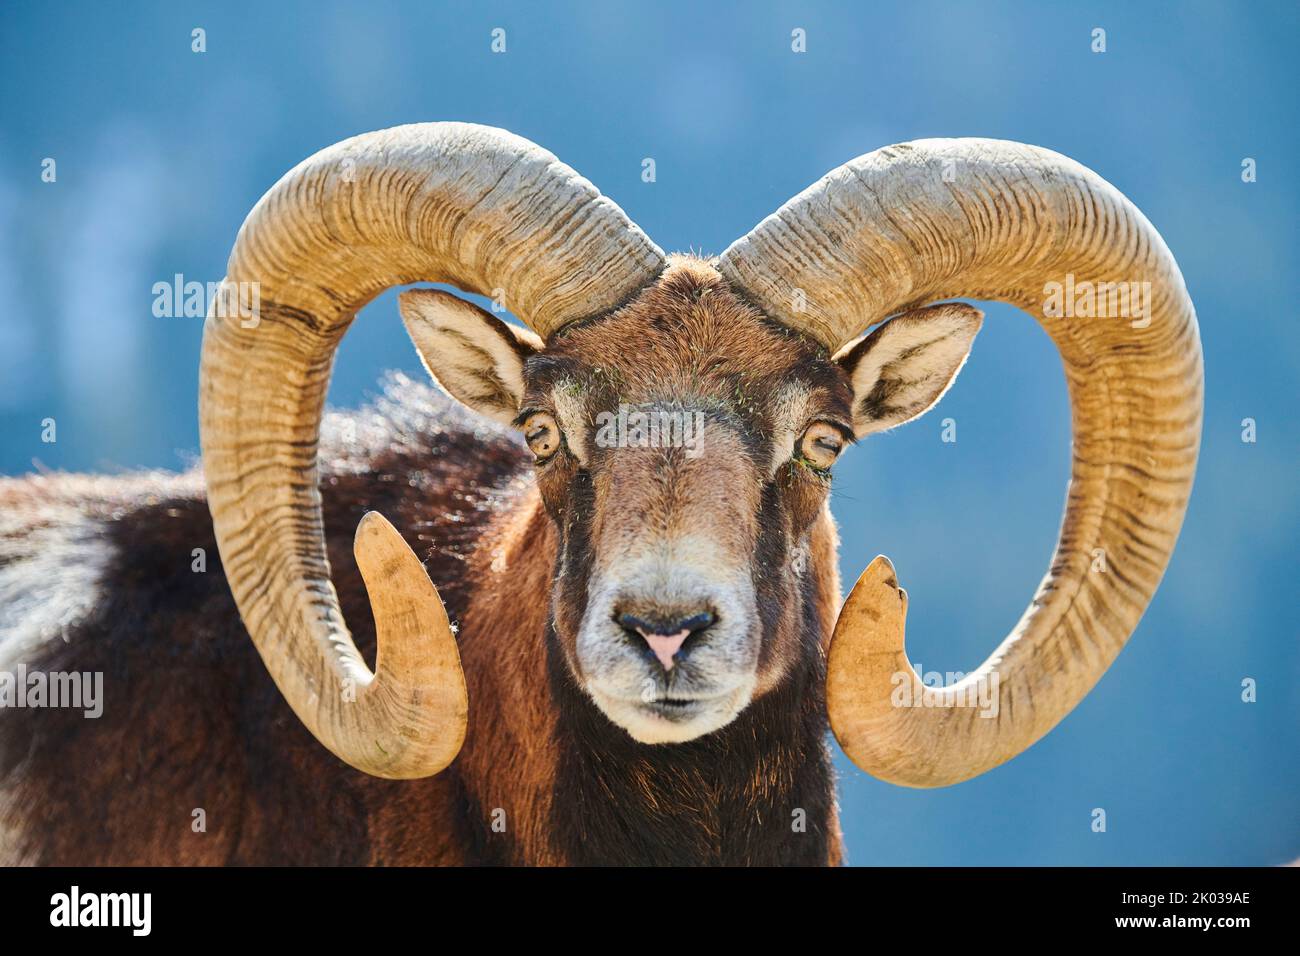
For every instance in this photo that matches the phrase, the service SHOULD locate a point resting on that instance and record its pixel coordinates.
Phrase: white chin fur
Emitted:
(647, 727)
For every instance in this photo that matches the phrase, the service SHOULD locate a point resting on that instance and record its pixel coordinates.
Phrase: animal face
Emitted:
(676, 594)
(684, 447)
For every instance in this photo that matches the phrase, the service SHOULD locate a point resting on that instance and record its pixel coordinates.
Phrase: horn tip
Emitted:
(372, 526)
(381, 550)
(880, 571)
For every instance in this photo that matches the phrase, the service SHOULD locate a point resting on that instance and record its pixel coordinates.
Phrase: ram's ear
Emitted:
(900, 370)
(473, 355)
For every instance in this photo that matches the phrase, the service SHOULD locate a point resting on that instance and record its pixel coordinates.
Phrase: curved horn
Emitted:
(988, 219)
(444, 202)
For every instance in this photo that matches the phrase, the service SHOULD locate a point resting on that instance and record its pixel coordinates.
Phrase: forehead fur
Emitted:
(686, 337)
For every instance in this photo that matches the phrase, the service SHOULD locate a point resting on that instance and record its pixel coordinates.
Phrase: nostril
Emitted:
(657, 625)
(666, 638)
(698, 623)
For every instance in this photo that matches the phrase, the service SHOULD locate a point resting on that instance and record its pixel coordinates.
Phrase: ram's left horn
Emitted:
(941, 219)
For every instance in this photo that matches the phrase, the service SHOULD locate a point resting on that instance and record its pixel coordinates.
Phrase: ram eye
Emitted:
(542, 434)
(820, 445)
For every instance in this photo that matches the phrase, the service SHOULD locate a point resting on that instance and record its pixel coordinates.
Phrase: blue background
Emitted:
(162, 151)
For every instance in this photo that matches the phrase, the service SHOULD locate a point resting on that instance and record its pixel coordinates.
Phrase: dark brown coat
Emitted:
(192, 721)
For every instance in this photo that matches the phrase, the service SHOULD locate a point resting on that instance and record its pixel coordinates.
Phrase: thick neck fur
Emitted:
(543, 778)
(757, 791)
(574, 788)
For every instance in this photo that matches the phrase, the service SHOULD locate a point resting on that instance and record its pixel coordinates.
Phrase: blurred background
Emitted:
(160, 151)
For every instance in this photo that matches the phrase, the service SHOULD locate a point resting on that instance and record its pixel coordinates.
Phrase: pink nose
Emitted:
(665, 646)
(665, 635)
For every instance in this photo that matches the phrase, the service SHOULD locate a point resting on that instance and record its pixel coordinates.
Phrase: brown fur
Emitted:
(193, 721)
